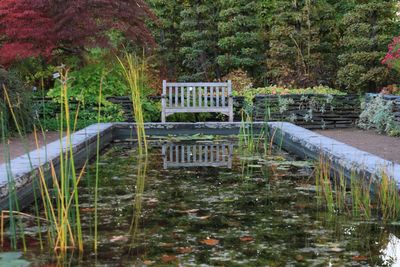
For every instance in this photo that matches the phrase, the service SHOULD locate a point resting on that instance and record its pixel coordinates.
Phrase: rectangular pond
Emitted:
(212, 203)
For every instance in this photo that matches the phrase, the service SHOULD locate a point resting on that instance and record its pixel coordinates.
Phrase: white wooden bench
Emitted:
(197, 98)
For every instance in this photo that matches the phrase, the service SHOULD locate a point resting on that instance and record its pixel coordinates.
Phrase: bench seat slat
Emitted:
(223, 97)
(212, 96)
(176, 96)
(170, 95)
(197, 84)
(217, 96)
(182, 97)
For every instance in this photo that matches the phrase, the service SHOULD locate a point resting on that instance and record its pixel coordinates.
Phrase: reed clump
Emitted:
(356, 196)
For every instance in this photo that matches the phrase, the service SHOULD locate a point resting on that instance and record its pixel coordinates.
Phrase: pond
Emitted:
(207, 203)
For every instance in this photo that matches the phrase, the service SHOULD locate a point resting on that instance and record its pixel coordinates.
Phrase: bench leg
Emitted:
(163, 117)
(231, 116)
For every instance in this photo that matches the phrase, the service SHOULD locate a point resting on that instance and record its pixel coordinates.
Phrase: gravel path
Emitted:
(16, 147)
(381, 145)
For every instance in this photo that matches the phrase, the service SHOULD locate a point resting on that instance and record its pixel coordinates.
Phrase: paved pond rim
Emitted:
(294, 139)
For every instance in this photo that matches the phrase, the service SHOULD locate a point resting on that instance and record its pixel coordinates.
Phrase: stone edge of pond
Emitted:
(23, 169)
(342, 157)
(294, 139)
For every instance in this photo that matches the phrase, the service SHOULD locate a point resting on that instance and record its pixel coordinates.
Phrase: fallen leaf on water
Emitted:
(184, 250)
(168, 258)
(336, 249)
(148, 262)
(188, 211)
(246, 238)
(210, 242)
(118, 238)
(299, 258)
(301, 206)
(204, 217)
(360, 258)
(167, 245)
(87, 209)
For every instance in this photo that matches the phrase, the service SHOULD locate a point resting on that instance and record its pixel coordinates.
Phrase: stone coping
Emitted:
(308, 144)
(294, 139)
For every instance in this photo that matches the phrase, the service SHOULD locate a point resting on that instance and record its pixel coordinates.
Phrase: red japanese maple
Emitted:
(39, 27)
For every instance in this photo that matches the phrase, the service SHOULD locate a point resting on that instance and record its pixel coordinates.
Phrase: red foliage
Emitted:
(392, 58)
(39, 27)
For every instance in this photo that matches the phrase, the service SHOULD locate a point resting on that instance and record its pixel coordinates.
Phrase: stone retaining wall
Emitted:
(309, 111)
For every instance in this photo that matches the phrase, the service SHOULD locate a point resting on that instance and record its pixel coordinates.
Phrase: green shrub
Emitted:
(19, 95)
(84, 87)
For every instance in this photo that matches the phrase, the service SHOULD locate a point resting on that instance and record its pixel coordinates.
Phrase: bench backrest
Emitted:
(197, 97)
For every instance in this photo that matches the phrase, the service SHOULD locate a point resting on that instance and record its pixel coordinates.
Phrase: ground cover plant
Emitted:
(378, 114)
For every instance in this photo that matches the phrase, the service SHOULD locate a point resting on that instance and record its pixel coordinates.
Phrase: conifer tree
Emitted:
(167, 34)
(199, 36)
(240, 37)
(368, 29)
(301, 40)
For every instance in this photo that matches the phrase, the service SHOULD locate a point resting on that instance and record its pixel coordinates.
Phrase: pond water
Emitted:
(181, 207)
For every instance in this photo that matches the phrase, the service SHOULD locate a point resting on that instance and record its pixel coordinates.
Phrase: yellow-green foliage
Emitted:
(277, 90)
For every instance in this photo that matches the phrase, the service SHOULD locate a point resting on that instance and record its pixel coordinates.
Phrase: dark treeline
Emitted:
(295, 43)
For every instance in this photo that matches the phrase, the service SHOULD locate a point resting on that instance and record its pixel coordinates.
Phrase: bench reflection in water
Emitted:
(204, 154)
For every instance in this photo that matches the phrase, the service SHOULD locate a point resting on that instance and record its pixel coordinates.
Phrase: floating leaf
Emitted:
(204, 217)
(184, 250)
(119, 238)
(168, 258)
(148, 262)
(87, 209)
(167, 245)
(246, 238)
(254, 166)
(359, 258)
(187, 211)
(210, 242)
(299, 257)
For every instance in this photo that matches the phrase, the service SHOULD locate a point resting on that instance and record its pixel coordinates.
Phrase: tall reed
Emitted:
(61, 204)
(333, 188)
(134, 73)
(389, 200)
(139, 191)
(96, 188)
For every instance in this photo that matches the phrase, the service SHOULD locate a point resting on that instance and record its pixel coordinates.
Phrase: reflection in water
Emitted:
(137, 205)
(205, 154)
(391, 253)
